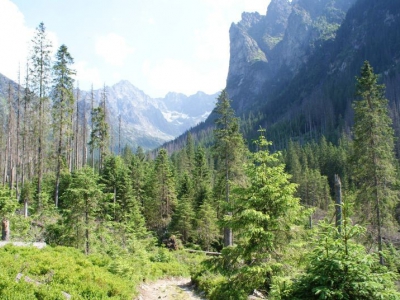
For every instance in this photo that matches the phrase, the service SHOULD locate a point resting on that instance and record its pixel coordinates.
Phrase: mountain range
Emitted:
(149, 122)
(293, 71)
(145, 121)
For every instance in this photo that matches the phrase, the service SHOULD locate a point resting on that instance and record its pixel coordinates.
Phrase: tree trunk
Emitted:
(338, 204)
(228, 236)
(5, 229)
(87, 243)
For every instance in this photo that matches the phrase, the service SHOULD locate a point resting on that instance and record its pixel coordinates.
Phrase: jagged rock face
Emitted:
(282, 41)
(310, 23)
(244, 48)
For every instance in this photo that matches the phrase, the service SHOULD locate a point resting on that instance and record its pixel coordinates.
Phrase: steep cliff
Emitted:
(272, 48)
(293, 71)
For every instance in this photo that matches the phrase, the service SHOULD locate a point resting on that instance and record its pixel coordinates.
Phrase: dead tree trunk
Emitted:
(5, 229)
(338, 203)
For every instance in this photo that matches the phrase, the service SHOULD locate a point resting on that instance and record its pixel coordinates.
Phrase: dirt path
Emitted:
(168, 289)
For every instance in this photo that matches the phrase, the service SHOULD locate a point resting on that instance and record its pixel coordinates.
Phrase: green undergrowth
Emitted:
(55, 270)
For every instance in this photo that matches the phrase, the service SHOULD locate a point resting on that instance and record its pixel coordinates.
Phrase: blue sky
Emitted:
(158, 45)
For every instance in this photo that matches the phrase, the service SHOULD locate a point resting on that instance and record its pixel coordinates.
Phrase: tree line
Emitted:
(62, 184)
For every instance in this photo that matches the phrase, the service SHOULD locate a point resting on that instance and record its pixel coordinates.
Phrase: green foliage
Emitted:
(374, 161)
(374, 168)
(207, 228)
(265, 215)
(340, 268)
(161, 195)
(58, 269)
(8, 204)
(230, 152)
(81, 199)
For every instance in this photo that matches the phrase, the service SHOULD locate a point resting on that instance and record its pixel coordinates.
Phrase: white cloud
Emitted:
(177, 75)
(14, 37)
(113, 48)
(86, 76)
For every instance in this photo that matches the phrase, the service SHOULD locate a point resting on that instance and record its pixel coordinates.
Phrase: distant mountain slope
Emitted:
(149, 122)
(145, 121)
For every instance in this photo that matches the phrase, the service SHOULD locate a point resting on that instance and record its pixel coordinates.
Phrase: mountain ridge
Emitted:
(303, 84)
(145, 121)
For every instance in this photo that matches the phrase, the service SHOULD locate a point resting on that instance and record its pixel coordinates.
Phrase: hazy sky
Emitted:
(158, 45)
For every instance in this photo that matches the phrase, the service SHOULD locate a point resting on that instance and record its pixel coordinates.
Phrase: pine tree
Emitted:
(81, 198)
(374, 169)
(201, 177)
(206, 225)
(189, 151)
(229, 149)
(183, 217)
(266, 211)
(161, 196)
(63, 106)
(99, 137)
(40, 78)
(124, 211)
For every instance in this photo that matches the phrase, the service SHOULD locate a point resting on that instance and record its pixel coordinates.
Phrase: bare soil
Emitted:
(168, 289)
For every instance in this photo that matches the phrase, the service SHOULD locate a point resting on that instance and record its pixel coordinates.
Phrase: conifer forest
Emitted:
(315, 219)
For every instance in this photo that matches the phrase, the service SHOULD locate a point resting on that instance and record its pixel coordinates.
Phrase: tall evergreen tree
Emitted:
(40, 69)
(124, 210)
(229, 149)
(374, 169)
(201, 177)
(189, 151)
(81, 198)
(63, 106)
(206, 225)
(267, 209)
(161, 195)
(138, 168)
(99, 137)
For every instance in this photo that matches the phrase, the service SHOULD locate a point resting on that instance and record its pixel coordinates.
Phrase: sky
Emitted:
(159, 46)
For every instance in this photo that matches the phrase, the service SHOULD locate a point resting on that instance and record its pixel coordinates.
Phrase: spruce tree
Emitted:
(63, 106)
(123, 209)
(189, 151)
(266, 212)
(201, 177)
(99, 137)
(40, 70)
(206, 225)
(81, 198)
(229, 149)
(161, 196)
(373, 158)
(138, 168)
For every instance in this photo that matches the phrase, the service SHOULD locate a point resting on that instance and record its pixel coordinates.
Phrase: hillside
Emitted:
(293, 70)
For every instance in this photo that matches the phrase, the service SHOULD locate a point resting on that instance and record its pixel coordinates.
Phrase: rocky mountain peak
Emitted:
(147, 121)
(249, 19)
(279, 42)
